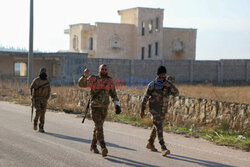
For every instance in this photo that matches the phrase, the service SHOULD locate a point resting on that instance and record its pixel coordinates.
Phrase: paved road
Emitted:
(66, 143)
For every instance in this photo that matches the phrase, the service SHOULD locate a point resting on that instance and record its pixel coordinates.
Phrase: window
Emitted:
(54, 71)
(156, 48)
(75, 42)
(150, 26)
(143, 29)
(157, 24)
(20, 69)
(142, 53)
(149, 51)
(90, 43)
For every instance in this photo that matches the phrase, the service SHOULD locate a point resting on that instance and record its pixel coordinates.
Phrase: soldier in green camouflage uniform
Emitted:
(158, 90)
(102, 86)
(40, 92)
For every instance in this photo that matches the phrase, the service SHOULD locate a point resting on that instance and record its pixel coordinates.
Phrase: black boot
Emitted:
(104, 149)
(93, 147)
(35, 125)
(151, 146)
(164, 149)
(41, 128)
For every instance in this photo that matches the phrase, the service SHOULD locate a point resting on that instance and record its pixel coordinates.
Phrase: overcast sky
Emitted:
(223, 25)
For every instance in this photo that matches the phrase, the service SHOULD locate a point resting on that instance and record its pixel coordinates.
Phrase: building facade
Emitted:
(140, 35)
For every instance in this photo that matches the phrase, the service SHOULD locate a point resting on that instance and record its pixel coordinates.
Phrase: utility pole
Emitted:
(30, 54)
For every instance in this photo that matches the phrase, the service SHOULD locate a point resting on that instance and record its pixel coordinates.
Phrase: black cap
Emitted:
(161, 70)
(43, 70)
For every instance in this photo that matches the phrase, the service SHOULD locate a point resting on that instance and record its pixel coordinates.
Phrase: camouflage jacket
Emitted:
(101, 89)
(40, 88)
(156, 92)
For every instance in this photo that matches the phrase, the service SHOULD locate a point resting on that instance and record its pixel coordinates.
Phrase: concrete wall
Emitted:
(129, 16)
(124, 33)
(70, 67)
(129, 31)
(75, 30)
(185, 71)
(147, 15)
(186, 36)
(88, 32)
(7, 65)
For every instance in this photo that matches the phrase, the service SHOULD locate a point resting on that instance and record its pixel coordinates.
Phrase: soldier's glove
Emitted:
(117, 107)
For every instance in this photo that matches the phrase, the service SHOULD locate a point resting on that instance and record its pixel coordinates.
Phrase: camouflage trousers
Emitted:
(40, 104)
(98, 115)
(157, 117)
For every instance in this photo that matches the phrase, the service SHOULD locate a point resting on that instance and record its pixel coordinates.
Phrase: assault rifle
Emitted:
(32, 109)
(86, 110)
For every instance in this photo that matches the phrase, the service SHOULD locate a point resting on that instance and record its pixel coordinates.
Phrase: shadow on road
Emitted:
(85, 140)
(128, 162)
(196, 161)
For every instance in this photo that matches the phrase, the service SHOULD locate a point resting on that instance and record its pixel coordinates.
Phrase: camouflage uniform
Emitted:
(101, 89)
(156, 93)
(40, 96)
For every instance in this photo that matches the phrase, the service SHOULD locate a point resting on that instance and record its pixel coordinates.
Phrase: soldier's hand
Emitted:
(86, 72)
(166, 84)
(117, 107)
(142, 114)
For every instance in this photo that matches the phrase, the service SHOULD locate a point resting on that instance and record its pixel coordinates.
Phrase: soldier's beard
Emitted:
(104, 74)
(43, 76)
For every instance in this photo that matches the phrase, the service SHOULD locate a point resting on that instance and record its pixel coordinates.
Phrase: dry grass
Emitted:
(14, 91)
(239, 94)
(64, 101)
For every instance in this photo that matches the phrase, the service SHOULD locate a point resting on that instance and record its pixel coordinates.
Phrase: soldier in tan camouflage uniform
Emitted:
(157, 90)
(40, 92)
(102, 86)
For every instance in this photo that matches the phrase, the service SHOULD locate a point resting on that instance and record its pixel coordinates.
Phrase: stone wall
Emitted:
(185, 110)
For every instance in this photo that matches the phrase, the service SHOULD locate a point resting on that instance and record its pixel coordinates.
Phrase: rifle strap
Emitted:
(43, 85)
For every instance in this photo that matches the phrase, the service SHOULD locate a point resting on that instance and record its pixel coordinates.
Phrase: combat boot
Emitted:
(41, 128)
(164, 151)
(35, 126)
(104, 149)
(151, 147)
(104, 152)
(93, 147)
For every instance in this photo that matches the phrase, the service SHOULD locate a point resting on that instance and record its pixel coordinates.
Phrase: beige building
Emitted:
(140, 35)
